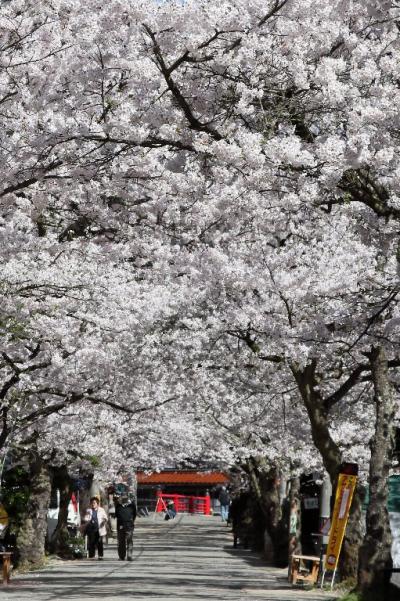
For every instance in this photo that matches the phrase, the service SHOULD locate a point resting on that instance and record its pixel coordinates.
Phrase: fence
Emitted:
(184, 503)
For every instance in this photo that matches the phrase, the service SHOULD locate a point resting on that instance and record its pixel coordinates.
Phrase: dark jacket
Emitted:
(224, 497)
(125, 514)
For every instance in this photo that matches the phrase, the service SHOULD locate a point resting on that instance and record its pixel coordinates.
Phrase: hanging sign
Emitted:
(344, 495)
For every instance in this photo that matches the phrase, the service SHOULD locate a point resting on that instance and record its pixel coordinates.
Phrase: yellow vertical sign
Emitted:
(341, 510)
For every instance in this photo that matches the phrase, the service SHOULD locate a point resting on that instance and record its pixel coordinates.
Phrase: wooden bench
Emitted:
(298, 572)
(6, 555)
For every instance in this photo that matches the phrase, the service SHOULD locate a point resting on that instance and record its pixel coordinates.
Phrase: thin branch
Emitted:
(276, 8)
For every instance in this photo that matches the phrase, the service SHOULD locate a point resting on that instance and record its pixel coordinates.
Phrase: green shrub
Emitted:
(15, 494)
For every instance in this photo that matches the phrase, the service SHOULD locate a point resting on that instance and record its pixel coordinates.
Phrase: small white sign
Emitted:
(343, 504)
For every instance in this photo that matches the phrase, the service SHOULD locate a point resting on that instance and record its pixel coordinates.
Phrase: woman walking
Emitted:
(95, 528)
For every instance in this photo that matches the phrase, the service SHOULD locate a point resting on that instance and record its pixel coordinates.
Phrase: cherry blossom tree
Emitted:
(200, 218)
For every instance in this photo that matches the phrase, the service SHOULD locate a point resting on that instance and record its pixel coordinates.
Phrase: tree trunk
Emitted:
(294, 545)
(349, 556)
(60, 537)
(375, 553)
(265, 483)
(84, 496)
(32, 532)
(317, 414)
(332, 459)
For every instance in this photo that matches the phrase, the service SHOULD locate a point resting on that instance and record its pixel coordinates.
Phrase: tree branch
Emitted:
(353, 379)
(194, 123)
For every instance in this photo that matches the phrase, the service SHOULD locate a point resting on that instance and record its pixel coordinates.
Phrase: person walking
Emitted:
(225, 501)
(125, 513)
(170, 512)
(95, 522)
(237, 518)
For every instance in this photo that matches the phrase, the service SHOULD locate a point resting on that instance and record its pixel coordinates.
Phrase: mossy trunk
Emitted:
(265, 484)
(318, 415)
(294, 545)
(32, 532)
(375, 552)
(349, 556)
(59, 542)
(84, 496)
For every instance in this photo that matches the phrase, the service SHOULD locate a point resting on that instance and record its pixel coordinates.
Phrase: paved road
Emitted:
(187, 559)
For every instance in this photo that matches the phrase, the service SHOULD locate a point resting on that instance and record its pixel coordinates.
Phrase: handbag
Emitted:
(88, 528)
(83, 528)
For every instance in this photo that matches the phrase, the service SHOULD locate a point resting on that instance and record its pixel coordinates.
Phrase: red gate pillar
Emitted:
(159, 504)
(207, 504)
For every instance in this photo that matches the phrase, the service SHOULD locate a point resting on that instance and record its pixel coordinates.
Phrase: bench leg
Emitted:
(6, 570)
(314, 573)
(294, 571)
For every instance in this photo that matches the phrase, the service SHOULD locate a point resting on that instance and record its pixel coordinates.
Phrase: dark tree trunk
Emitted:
(84, 496)
(32, 532)
(318, 417)
(265, 484)
(60, 538)
(294, 545)
(332, 458)
(351, 542)
(349, 557)
(375, 553)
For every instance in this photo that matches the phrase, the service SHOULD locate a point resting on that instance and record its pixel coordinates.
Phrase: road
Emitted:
(190, 558)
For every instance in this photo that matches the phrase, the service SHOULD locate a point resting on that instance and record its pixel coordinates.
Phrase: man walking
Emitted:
(125, 512)
(225, 501)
